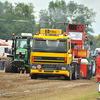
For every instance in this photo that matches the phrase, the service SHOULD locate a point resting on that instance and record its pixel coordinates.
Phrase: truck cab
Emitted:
(51, 54)
(6, 50)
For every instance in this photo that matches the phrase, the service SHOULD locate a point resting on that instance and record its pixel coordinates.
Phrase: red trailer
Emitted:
(81, 49)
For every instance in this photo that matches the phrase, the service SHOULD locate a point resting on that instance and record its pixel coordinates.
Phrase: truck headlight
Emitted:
(63, 68)
(33, 67)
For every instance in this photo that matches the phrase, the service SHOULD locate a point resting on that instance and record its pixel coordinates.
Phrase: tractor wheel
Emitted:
(74, 76)
(34, 76)
(23, 71)
(8, 66)
(19, 70)
(27, 70)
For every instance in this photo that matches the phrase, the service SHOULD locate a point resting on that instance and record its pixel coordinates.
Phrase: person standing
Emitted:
(0, 62)
(3, 59)
(98, 68)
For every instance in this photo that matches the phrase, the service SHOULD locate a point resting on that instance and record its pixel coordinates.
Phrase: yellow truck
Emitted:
(51, 55)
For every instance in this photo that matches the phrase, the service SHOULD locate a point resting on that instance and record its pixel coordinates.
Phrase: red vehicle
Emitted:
(81, 49)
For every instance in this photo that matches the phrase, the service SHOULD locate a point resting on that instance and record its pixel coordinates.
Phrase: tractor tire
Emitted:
(74, 75)
(34, 76)
(8, 66)
(19, 70)
(27, 70)
(23, 71)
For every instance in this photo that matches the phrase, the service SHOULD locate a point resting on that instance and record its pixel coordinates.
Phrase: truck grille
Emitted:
(50, 67)
(49, 59)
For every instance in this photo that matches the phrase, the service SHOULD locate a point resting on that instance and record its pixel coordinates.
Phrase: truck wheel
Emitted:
(74, 76)
(94, 68)
(8, 66)
(70, 75)
(88, 73)
(34, 76)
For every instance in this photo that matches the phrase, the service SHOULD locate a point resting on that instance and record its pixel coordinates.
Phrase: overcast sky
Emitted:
(43, 4)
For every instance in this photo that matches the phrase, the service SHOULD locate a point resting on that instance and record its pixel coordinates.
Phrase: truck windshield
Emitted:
(57, 46)
(22, 43)
(75, 35)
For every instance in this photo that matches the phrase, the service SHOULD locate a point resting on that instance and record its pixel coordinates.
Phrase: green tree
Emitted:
(54, 16)
(20, 11)
(81, 14)
(59, 11)
(93, 39)
(98, 41)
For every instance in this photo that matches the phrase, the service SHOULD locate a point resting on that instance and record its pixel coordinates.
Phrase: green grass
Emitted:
(92, 96)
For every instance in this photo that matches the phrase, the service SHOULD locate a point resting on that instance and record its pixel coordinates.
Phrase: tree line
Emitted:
(51, 17)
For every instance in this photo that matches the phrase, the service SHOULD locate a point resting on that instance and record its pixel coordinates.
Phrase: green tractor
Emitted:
(19, 60)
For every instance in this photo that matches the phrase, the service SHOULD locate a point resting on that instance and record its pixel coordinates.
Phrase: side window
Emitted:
(68, 44)
(6, 50)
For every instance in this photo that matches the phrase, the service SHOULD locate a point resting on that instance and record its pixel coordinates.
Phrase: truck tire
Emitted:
(88, 72)
(33, 76)
(70, 74)
(94, 67)
(74, 75)
(8, 66)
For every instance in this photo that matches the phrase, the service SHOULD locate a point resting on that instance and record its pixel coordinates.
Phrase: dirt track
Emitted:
(21, 87)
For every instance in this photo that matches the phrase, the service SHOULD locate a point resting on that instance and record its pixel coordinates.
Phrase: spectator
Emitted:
(0, 62)
(0, 57)
(3, 58)
(98, 68)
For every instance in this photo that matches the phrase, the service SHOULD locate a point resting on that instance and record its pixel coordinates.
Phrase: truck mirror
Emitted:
(28, 40)
(72, 45)
(91, 43)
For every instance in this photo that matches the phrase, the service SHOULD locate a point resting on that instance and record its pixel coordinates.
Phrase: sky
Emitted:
(43, 4)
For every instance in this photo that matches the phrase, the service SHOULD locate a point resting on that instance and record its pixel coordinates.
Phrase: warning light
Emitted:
(87, 23)
(13, 34)
(37, 32)
(86, 36)
(64, 34)
(65, 22)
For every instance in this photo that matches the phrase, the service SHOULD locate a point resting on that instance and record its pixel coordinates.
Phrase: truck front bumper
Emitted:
(56, 72)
